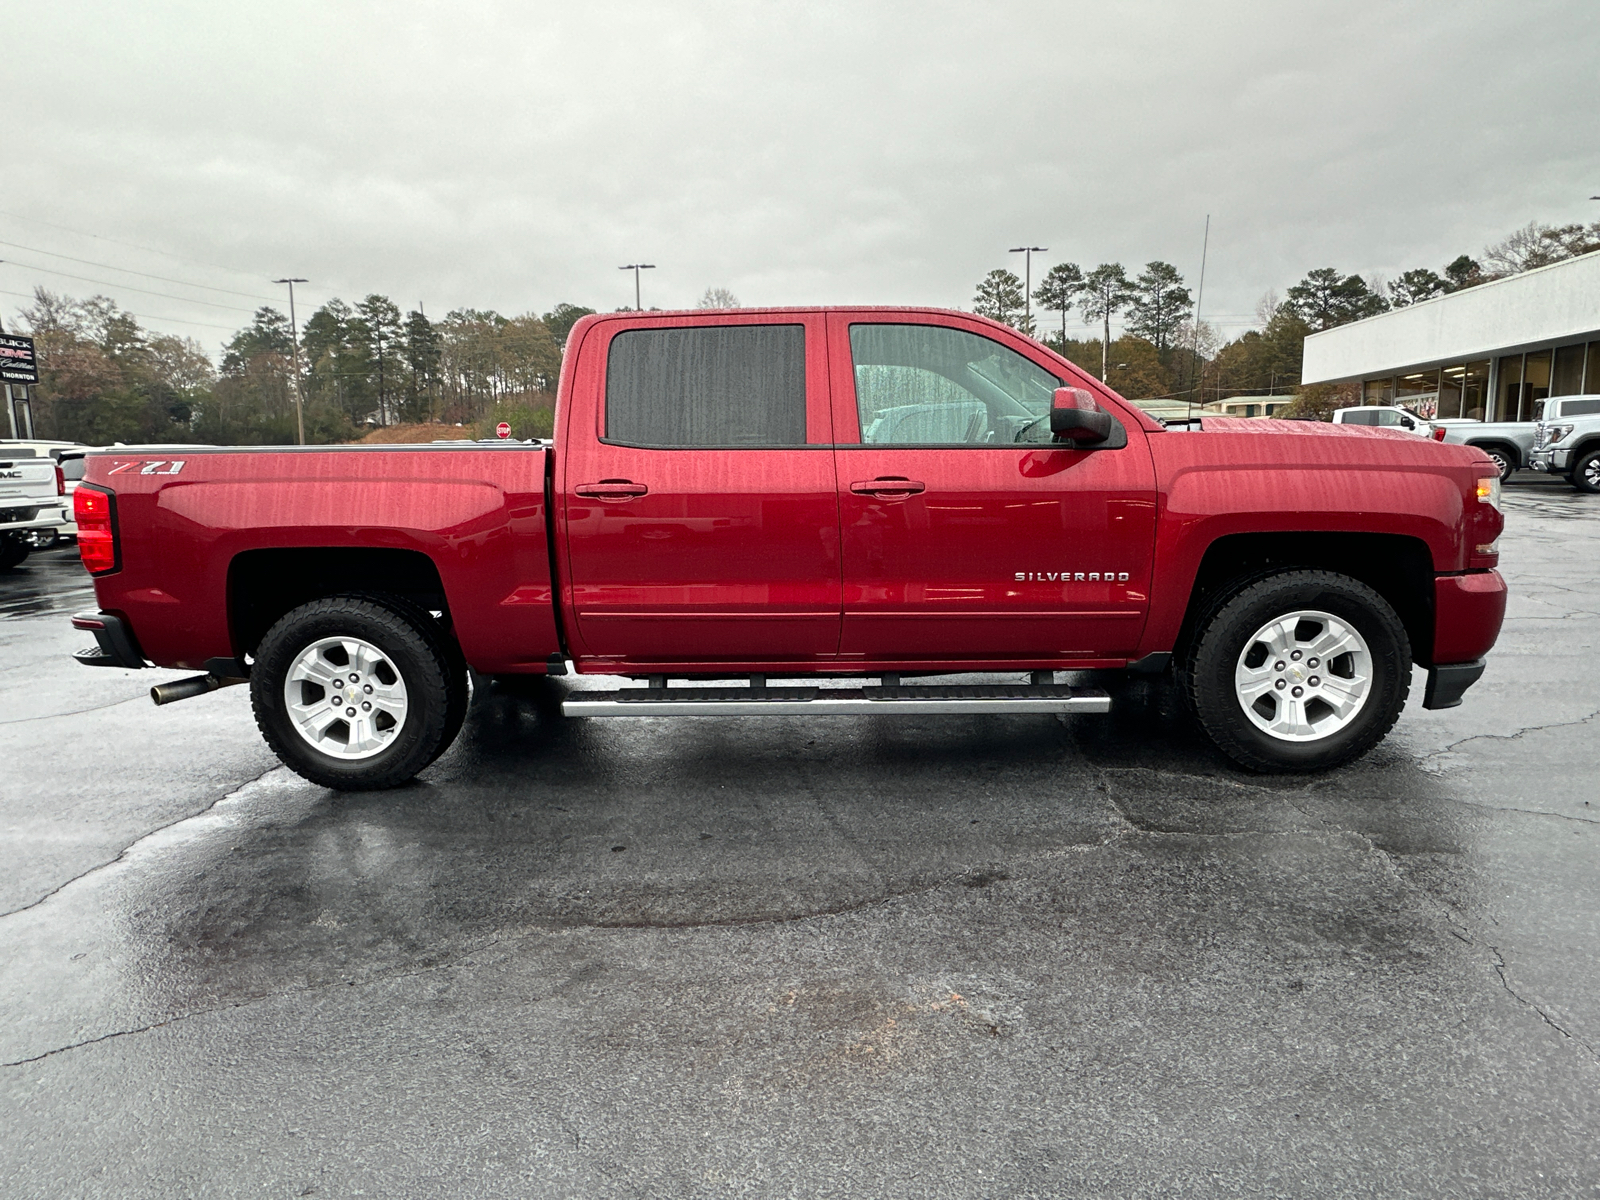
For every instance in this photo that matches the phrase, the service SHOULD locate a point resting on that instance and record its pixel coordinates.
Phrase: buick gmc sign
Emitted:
(17, 363)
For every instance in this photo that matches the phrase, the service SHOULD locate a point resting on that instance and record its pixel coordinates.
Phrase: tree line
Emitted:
(1161, 354)
(105, 378)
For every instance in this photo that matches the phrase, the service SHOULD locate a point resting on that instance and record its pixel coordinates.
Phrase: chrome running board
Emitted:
(902, 701)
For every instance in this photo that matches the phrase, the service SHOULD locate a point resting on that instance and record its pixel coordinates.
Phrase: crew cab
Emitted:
(739, 507)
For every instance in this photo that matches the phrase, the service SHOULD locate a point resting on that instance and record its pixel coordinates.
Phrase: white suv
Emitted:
(1384, 417)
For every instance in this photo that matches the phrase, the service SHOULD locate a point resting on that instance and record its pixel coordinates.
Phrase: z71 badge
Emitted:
(1072, 577)
(161, 466)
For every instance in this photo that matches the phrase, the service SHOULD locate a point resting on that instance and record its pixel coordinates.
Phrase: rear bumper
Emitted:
(45, 516)
(114, 643)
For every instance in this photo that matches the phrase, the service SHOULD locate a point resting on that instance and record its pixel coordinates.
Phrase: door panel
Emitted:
(1004, 552)
(705, 554)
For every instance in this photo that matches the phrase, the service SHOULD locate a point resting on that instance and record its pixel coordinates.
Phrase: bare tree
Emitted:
(718, 297)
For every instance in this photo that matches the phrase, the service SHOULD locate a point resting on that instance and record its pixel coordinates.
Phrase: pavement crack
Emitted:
(120, 854)
(1509, 737)
(77, 712)
(265, 998)
(1501, 968)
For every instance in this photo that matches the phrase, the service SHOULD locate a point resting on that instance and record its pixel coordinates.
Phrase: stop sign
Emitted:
(502, 430)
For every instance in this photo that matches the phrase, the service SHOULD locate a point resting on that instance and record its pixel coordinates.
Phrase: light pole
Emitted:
(636, 268)
(294, 332)
(1027, 283)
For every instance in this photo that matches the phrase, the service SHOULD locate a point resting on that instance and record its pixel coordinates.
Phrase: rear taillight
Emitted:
(97, 540)
(1438, 433)
(61, 481)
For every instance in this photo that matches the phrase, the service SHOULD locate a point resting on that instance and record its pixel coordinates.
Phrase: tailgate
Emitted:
(27, 481)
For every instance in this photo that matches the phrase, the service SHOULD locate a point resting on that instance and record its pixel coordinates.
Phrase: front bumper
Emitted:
(1447, 683)
(1551, 461)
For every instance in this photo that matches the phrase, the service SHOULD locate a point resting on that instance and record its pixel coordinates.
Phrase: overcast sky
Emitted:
(512, 155)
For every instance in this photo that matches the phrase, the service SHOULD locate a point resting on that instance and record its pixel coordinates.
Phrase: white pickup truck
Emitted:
(32, 497)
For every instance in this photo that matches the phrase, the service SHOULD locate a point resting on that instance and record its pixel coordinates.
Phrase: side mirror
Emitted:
(1075, 417)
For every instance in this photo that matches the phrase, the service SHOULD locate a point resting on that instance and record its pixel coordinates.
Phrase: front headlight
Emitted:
(1551, 434)
(1489, 491)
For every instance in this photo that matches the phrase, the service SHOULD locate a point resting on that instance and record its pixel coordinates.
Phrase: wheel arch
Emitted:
(1398, 567)
(1510, 449)
(265, 584)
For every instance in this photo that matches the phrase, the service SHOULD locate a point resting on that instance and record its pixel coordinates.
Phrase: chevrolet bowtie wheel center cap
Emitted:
(345, 698)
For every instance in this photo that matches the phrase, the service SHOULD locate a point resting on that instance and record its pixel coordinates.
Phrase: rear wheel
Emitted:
(1586, 473)
(1299, 671)
(13, 550)
(352, 694)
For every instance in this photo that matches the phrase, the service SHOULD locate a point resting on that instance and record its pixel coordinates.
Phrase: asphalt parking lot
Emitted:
(1021, 956)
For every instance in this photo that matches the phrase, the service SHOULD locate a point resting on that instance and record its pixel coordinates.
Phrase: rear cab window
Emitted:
(707, 387)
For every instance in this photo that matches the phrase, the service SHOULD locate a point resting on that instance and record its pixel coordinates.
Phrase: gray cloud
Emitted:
(512, 155)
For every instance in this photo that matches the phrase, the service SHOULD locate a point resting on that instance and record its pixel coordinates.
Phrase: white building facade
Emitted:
(1490, 352)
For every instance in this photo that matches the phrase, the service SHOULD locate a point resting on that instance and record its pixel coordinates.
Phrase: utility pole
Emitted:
(636, 268)
(1194, 361)
(299, 392)
(1027, 286)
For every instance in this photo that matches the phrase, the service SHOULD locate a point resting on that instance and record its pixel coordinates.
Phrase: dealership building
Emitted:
(1490, 352)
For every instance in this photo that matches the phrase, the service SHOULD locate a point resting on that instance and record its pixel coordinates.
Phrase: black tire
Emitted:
(1226, 633)
(1505, 460)
(413, 653)
(1586, 473)
(13, 550)
(449, 649)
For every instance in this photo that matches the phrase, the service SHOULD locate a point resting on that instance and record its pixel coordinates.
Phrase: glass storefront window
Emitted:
(1535, 384)
(1419, 392)
(1475, 390)
(1566, 378)
(1510, 382)
(1450, 381)
(1378, 391)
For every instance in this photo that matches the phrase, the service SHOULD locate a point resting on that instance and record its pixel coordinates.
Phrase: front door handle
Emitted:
(613, 490)
(889, 487)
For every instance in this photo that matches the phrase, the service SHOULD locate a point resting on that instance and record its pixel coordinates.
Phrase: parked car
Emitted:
(1508, 443)
(32, 499)
(1568, 441)
(1382, 417)
(42, 537)
(717, 505)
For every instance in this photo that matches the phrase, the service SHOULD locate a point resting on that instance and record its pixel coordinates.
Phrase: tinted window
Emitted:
(1579, 408)
(1359, 418)
(72, 468)
(927, 385)
(718, 385)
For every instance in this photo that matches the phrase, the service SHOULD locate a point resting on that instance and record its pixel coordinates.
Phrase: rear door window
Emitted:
(727, 386)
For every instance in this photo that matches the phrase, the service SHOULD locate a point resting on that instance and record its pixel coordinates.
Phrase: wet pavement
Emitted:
(813, 957)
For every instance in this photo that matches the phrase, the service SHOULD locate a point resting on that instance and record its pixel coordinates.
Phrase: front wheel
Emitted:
(352, 694)
(1503, 460)
(1586, 473)
(1299, 671)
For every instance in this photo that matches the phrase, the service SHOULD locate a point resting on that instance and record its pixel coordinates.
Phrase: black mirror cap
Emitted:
(1074, 416)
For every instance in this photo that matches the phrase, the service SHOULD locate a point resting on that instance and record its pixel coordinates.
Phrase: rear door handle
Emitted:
(614, 490)
(889, 487)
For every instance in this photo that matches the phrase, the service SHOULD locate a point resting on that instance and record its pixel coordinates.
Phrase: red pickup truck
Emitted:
(814, 507)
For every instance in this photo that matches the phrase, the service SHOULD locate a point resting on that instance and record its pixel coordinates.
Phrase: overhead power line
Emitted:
(132, 245)
(144, 316)
(130, 271)
(127, 287)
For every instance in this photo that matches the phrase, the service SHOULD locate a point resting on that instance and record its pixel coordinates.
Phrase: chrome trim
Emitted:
(833, 704)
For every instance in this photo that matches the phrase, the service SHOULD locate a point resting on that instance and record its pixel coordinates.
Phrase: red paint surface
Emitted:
(767, 560)
(1469, 611)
